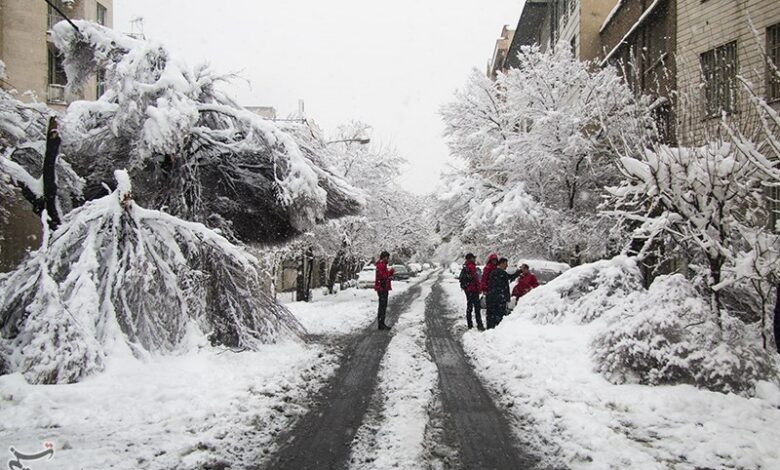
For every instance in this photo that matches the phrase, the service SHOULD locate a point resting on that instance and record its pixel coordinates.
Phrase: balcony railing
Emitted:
(56, 94)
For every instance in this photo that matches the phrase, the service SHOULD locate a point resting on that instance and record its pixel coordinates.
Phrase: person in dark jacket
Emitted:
(498, 292)
(383, 286)
(471, 288)
(525, 283)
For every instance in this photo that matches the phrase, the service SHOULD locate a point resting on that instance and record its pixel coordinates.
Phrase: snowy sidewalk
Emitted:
(347, 311)
(179, 412)
(543, 375)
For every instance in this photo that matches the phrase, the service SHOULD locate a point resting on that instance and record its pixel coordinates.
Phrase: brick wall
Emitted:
(704, 25)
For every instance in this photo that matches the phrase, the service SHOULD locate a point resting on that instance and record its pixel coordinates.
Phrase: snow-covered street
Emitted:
(307, 235)
(368, 399)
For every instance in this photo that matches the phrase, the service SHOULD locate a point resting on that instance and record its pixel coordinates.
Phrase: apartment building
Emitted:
(639, 37)
(33, 65)
(497, 62)
(34, 69)
(717, 42)
(573, 22)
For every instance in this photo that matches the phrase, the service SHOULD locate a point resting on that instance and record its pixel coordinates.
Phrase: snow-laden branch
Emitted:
(116, 278)
(189, 147)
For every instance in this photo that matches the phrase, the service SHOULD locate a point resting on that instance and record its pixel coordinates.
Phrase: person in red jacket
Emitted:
(492, 261)
(469, 282)
(525, 283)
(383, 286)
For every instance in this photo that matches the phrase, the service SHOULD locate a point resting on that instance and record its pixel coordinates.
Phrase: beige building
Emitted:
(34, 70)
(497, 63)
(32, 62)
(573, 22)
(640, 39)
(715, 45)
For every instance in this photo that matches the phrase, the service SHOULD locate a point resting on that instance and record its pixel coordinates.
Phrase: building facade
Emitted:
(640, 38)
(572, 22)
(719, 41)
(33, 66)
(34, 69)
(498, 61)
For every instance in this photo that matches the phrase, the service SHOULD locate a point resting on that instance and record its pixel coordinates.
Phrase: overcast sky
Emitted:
(390, 64)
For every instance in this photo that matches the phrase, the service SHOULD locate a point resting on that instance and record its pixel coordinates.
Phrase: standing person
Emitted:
(383, 286)
(489, 266)
(525, 282)
(498, 292)
(469, 282)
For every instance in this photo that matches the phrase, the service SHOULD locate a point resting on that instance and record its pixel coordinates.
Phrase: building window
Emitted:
(773, 196)
(56, 69)
(57, 79)
(54, 17)
(100, 82)
(773, 62)
(100, 17)
(719, 71)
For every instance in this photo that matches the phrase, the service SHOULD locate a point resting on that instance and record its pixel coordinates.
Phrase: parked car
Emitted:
(426, 265)
(401, 273)
(546, 271)
(366, 277)
(415, 268)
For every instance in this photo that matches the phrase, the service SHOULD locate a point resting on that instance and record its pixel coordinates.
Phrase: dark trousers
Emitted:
(472, 304)
(380, 314)
(495, 313)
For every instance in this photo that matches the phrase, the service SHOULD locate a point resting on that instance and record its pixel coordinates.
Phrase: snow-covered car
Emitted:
(401, 273)
(366, 277)
(415, 268)
(546, 271)
(426, 265)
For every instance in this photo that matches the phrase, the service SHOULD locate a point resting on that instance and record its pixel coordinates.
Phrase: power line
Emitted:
(63, 15)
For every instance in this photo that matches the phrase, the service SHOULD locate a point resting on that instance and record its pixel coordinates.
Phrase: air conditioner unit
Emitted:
(56, 94)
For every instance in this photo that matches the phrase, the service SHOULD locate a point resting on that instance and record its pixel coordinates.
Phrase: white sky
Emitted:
(390, 64)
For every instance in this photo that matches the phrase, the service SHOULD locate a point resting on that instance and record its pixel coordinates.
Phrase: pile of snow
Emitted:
(584, 293)
(664, 335)
(204, 409)
(668, 335)
(117, 279)
(544, 376)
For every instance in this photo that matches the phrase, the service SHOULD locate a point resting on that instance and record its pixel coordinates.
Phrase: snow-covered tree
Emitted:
(704, 197)
(189, 147)
(393, 218)
(116, 278)
(537, 148)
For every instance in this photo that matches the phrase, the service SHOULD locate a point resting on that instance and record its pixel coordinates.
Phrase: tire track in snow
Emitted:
(322, 438)
(484, 435)
(394, 432)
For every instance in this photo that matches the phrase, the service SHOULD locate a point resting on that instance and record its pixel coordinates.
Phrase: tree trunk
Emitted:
(777, 318)
(716, 264)
(338, 261)
(50, 174)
